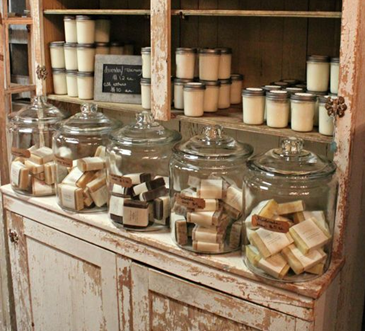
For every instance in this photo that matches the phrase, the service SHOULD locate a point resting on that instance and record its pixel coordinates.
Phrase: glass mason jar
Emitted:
(32, 169)
(71, 56)
(316, 110)
(86, 57)
(59, 81)
(102, 48)
(224, 100)
(335, 73)
(225, 62)
(146, 62)
(253, 105)
(206, 174)
(318, 73)
(185, 62)
(178, 92)
(236, 89)
(70, 29)
(326, 122)
(71, 80)
(290, 199)
(277, 103)
(211, 95)
(102, 29)
(79, 150)
(303, 108)
(138, 169)
(209, 63)
(57, 54)
(194, 99)
(85, 28)
(146, 93)
(85, 85)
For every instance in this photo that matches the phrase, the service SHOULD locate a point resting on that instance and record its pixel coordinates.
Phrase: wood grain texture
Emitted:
(124, 293)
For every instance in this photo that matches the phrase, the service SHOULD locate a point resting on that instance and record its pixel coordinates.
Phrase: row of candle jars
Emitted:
(208, 189)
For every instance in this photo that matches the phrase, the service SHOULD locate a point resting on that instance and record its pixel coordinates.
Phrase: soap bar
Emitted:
(235, 235)
(210, 205)
(317, 269)
(148, 186)
(100, 152)
(181, 232)
(300, 262)
(139, 178)
(50, 173)
(275, 266)
(252, 254)
(42, 155)
(205, 247)
(166, 180)
(98, 191)
(34, 167)
(268, 242)
(207, 235)
(234, 198)
(189, 192)
(204, 218)
(136, 213)
(88, 200)
(40, 188)
(180, 210)
(72, 178)
(194, 182)
(232, 212)
(309, 235)
(211, 189)
(41, 176)
(19, 175)
(290, 207)
(116, 205)
(85, 179)
(91, 164)
(266, 208)
(71, 197)
(161, 208)
(154, 194)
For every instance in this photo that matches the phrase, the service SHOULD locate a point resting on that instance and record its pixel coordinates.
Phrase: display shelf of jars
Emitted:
(96, 12)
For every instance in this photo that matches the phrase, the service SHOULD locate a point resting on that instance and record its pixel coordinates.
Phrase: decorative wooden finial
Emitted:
(336, 107)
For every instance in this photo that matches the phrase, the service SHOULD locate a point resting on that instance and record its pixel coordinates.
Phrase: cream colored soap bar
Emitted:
(72, 178)
(41, 176)
(300, 262)
(309, 235)
(317, 269)
(98, 191)
(252, 254)
(275, 266)
(34, 167)
(204, 218)
(207, 235)
(234, 198)
(19, 175)
(50, 173)
(290, 207)
(235, 235)
(42, 155)
(85, 179)
(210, 205)
(211, 189)
(194, 182)
(71, 197)
(266, 208)
(88, 200)
(91, 164)
(100, 152)
(40, 188)
(268, 242)
(207, 247)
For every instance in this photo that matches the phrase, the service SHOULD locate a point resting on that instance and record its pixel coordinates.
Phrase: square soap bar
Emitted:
(275, 266)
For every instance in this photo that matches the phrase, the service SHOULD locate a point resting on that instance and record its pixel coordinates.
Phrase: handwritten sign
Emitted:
(117, 78)
(269, 224)
(190, 202)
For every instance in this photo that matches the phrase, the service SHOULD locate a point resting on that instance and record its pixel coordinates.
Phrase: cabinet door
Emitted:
(161, 302)
(60, 283)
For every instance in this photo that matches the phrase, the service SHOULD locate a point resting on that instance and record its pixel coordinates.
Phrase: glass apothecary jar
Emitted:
(290, 199)
(138, 169)
(206, 174)
(79, 150)
(32, 170)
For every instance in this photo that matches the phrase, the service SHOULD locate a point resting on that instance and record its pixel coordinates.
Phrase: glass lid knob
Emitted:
(291, 146)
(213, 132)
(145, 119)
(89, 109)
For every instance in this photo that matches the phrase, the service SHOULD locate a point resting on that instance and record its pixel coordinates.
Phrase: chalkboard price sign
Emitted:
(118, 78)
(124, 79)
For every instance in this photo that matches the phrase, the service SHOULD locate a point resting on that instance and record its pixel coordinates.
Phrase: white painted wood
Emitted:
(124, 293)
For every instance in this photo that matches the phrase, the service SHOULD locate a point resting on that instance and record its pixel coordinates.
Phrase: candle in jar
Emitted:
(85, 27)
(57, 54)
(146, 62)
(302, 111)
(209, 63)
(69, 23)
(71, 80)
(224, 100)
(318, 73)
(194, 99)
(179, 92)
(225, 62)
(326, 122)
(211, 95)
(268, 88)
(71, 56)
(59, 81)
(185, 62)
(277, 103)
(85, 85)
(116, 48)
(102, 48)
(253, 105)
(335, 72)
(86, 57)
(146, 93)
(236, 88)
(102, 29)
(316, 110)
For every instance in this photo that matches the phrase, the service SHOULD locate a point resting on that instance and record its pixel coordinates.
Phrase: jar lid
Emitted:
(291, 160)
(335, 60)
(182, 50)
(145, 131)
(282, 84)
(324, 98)
(181, 81)
(38, 112)
(304, 97)
(69, 18)
(211, 82)
(317, 93)
(318, 58)
(213, 145)
(100, 44)
(145, 81)
(237, 77)
(88, 122)
(225, 50)
(145, 50)
(85, 46)
(194, 86)
(290, 81)
(56, 44)
(303, 86)
(116, 43)
(293, 90)
(72, 72)
(85, 74)
(83, 17)
(58, 70)
(271, 87)
(209, 51)
(253, 91)
(70, 44)
(277, 95)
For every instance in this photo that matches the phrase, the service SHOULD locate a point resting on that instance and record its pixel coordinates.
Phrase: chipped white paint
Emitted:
(124, 293)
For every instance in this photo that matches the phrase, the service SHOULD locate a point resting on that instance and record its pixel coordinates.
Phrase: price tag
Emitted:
(190, 202)
(63, 161)
(121, 180)
(269, 224)
(20, 152)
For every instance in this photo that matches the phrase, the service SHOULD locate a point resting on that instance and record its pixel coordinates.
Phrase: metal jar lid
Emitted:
(213, 51)
(56, 44)
(253, 92)
(335, 60)
(184, 50)
(85, 74)
(225, 81)
(293, 90)
(85, 46)
(69, 18)
(282, 84)
(317, 93)
(146, 50)
(304, 97)
(84, 18)
(303, 86)
(71, 72)
(116, 44)
(271, 87)
(70, 45)
(181, 81)
(145, 81)
(99, 44)
(236, 77)
(277, 95)
(290, 81)
(216, 83)
(58, 71)
(318, 58)
(194, 86)
(225, 50)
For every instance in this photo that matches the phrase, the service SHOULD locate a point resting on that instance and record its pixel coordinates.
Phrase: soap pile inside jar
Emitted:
(34, 174)
(139, 200)
(206, 214)
(284, 237)
(84, 186)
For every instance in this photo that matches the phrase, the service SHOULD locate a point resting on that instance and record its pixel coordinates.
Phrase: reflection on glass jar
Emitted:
(290, 203)
(206, 174)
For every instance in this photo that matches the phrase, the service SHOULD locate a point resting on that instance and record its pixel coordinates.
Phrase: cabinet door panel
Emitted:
(72, 285)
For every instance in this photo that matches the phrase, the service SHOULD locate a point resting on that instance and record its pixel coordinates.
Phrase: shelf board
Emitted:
(18, 88)
(256, 13)
(97, 12)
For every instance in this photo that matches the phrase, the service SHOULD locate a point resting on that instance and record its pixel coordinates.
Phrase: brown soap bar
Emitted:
(161, 208)
(181, 232)
(50, 173)
(154, 194)
(85, 179)
(136, 213)
(148, 186)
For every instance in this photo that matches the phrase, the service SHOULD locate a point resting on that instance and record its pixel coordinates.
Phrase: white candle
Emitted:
(209, 63)
(185, 62)
(70, 29)
(146, 62)
(236, 89)
(316, 109)
(326, 122)
(102, 29)
(211, 95)
(302, 111)
(225, 62)
(71, 56)
(318, 73)
(59, 81)
(253, 105)
(224, 100)
(277, 103)
(85, 85)
(102, 48)
(179, 92)
(194, 99)
(71, 79)
(146, 93)
(86, 57)
(335, 72)
(85, 26)
(57, 54)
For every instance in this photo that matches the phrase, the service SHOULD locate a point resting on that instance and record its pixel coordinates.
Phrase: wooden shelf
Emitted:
(257, 13)
(18, 88)
(97, 12)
